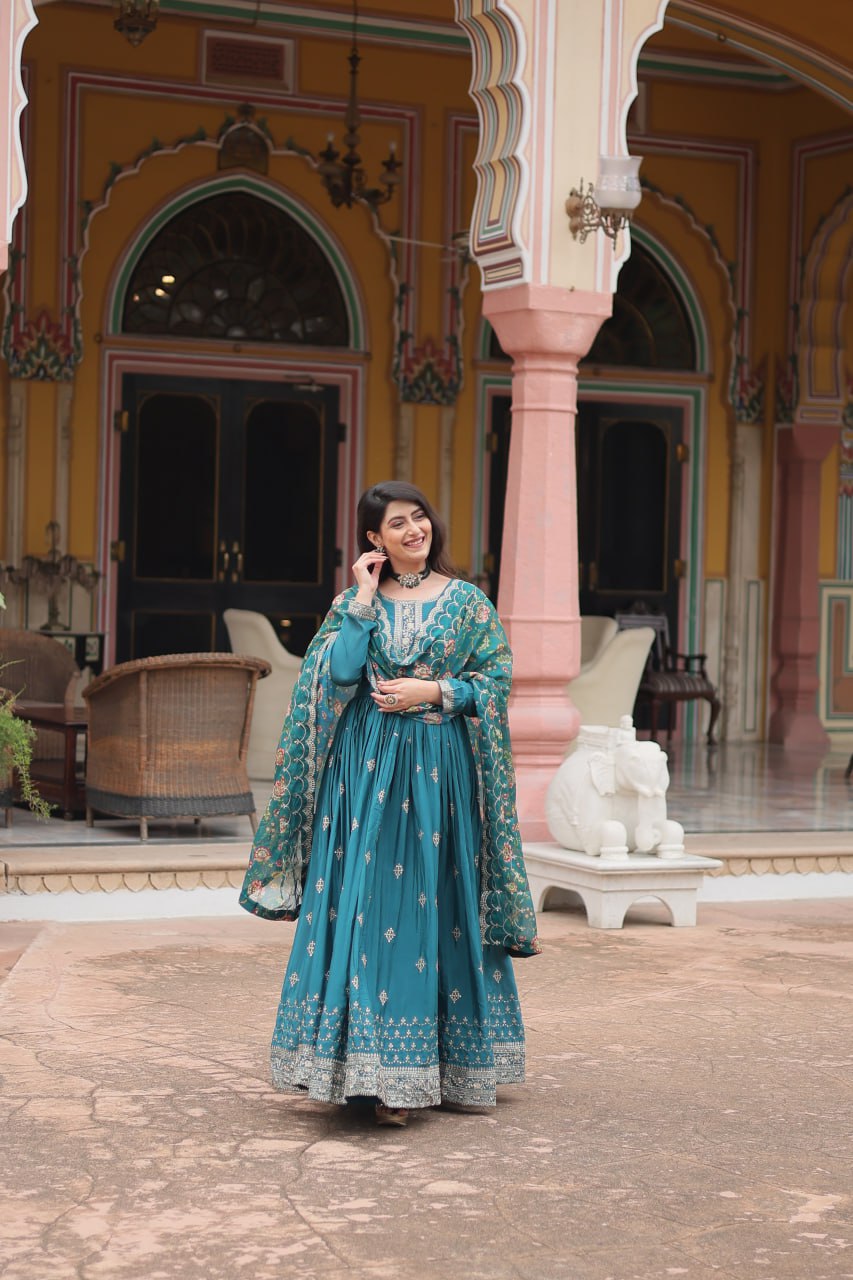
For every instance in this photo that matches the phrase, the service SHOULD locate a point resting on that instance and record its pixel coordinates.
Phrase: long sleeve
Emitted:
(457, 697)
(349, 650)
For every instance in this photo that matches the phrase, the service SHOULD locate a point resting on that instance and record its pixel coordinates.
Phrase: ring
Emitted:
(391, 699)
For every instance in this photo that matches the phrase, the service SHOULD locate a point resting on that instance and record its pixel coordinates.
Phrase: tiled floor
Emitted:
(683, 1116)
(742, 788)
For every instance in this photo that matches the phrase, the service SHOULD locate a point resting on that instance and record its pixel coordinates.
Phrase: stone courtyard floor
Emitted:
(688, 1113)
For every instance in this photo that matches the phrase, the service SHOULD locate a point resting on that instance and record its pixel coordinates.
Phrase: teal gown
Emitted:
(390, 992)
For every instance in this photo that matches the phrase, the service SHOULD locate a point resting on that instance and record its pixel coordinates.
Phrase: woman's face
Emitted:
(406, 534)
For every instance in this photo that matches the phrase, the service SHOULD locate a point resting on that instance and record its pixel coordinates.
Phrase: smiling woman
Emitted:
(400, 856)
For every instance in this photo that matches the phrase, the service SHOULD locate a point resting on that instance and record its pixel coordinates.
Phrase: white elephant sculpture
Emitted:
(609, 797)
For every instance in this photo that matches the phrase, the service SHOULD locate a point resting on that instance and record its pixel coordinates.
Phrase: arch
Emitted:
(823, 299)
(498, 54)
(685, 289)
(302, 214)
(17, 23)
(686, 269)
(232, 266)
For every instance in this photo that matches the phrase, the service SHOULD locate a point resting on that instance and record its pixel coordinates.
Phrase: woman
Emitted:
(394, 776)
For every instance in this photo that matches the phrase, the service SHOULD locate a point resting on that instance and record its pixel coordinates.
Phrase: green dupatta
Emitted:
(462, 639)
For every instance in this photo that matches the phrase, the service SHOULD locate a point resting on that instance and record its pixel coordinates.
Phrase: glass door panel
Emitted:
(631, 512)
(177, 449)
(283, 492)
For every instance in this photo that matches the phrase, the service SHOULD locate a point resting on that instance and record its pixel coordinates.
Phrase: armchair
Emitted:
(597, 631)
(672, 677)
(606, 689)
(43, 671)
(168, 737)
(253, 633)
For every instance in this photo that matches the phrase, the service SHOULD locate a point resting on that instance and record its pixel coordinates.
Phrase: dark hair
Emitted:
(372, 506)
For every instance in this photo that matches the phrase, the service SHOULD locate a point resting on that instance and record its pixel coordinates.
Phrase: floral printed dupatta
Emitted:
(461, 639)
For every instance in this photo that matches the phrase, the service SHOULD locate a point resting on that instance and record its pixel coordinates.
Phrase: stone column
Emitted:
(796, 627)
(546, 330)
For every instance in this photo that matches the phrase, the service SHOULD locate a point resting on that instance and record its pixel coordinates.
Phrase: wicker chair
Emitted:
(168, 737)
(43, 671)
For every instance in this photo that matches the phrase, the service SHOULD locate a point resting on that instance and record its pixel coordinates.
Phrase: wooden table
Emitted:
(58, 780)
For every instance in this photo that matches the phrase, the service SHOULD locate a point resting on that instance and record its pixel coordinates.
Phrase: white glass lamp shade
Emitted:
(618, 185)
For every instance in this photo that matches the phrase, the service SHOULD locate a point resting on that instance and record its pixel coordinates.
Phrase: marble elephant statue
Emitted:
(609, 797)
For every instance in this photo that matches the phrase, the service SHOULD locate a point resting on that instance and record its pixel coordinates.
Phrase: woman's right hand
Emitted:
(366, 571)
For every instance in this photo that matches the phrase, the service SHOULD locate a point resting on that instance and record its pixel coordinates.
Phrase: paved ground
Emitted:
(688, 1114)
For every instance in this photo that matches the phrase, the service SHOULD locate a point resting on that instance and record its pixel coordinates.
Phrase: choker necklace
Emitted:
(411, 580)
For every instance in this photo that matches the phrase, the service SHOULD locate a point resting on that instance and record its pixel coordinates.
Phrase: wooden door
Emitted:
(629, 460)
(629, 508)
(227, 501)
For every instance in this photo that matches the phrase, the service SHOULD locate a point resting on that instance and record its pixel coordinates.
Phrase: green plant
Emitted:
(16, 746)
(16, 752)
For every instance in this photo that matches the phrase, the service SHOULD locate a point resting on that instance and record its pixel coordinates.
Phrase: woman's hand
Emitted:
(366, 572)
(407, 692)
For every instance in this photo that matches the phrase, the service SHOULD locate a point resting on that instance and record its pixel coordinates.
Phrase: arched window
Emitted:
(649, 328)
(236, 267)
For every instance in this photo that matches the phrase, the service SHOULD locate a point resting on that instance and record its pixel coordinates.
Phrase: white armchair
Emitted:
(253, 634)
(596, 632)
(606, 689)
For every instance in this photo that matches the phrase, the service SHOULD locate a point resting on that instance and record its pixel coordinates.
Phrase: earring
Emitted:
(379, 546)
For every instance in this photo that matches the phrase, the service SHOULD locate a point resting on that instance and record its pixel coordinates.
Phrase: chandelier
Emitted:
(136, 19)
(342, 174)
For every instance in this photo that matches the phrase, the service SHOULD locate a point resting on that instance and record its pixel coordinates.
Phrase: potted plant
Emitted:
(16, 750)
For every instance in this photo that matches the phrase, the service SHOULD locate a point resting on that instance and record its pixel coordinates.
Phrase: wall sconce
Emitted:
(618, 196)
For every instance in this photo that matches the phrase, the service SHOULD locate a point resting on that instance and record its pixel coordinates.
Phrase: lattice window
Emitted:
(238, 268)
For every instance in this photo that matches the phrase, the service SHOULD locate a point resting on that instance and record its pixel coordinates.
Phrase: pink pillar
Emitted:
(796, 628)
(546, 330)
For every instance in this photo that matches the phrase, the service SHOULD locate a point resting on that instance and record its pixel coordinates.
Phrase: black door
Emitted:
(629, 508)
(629, 461)
(227, 501)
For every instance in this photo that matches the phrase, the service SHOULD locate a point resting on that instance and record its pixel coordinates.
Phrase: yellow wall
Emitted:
(117, 127)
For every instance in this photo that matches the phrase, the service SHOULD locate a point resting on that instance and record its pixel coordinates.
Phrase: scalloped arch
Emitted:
(823, 299)
(497, 54)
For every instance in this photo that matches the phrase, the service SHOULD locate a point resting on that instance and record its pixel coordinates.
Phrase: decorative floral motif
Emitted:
(748, 389)
(41, 349)
(787, 389)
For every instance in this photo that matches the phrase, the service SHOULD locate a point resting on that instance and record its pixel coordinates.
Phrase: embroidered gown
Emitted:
(390, 993)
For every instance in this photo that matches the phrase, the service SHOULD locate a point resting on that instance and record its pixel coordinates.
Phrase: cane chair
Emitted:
(168, 738)
(40, 669)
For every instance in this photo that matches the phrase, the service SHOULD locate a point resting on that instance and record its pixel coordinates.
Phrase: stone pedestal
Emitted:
(608, 889)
